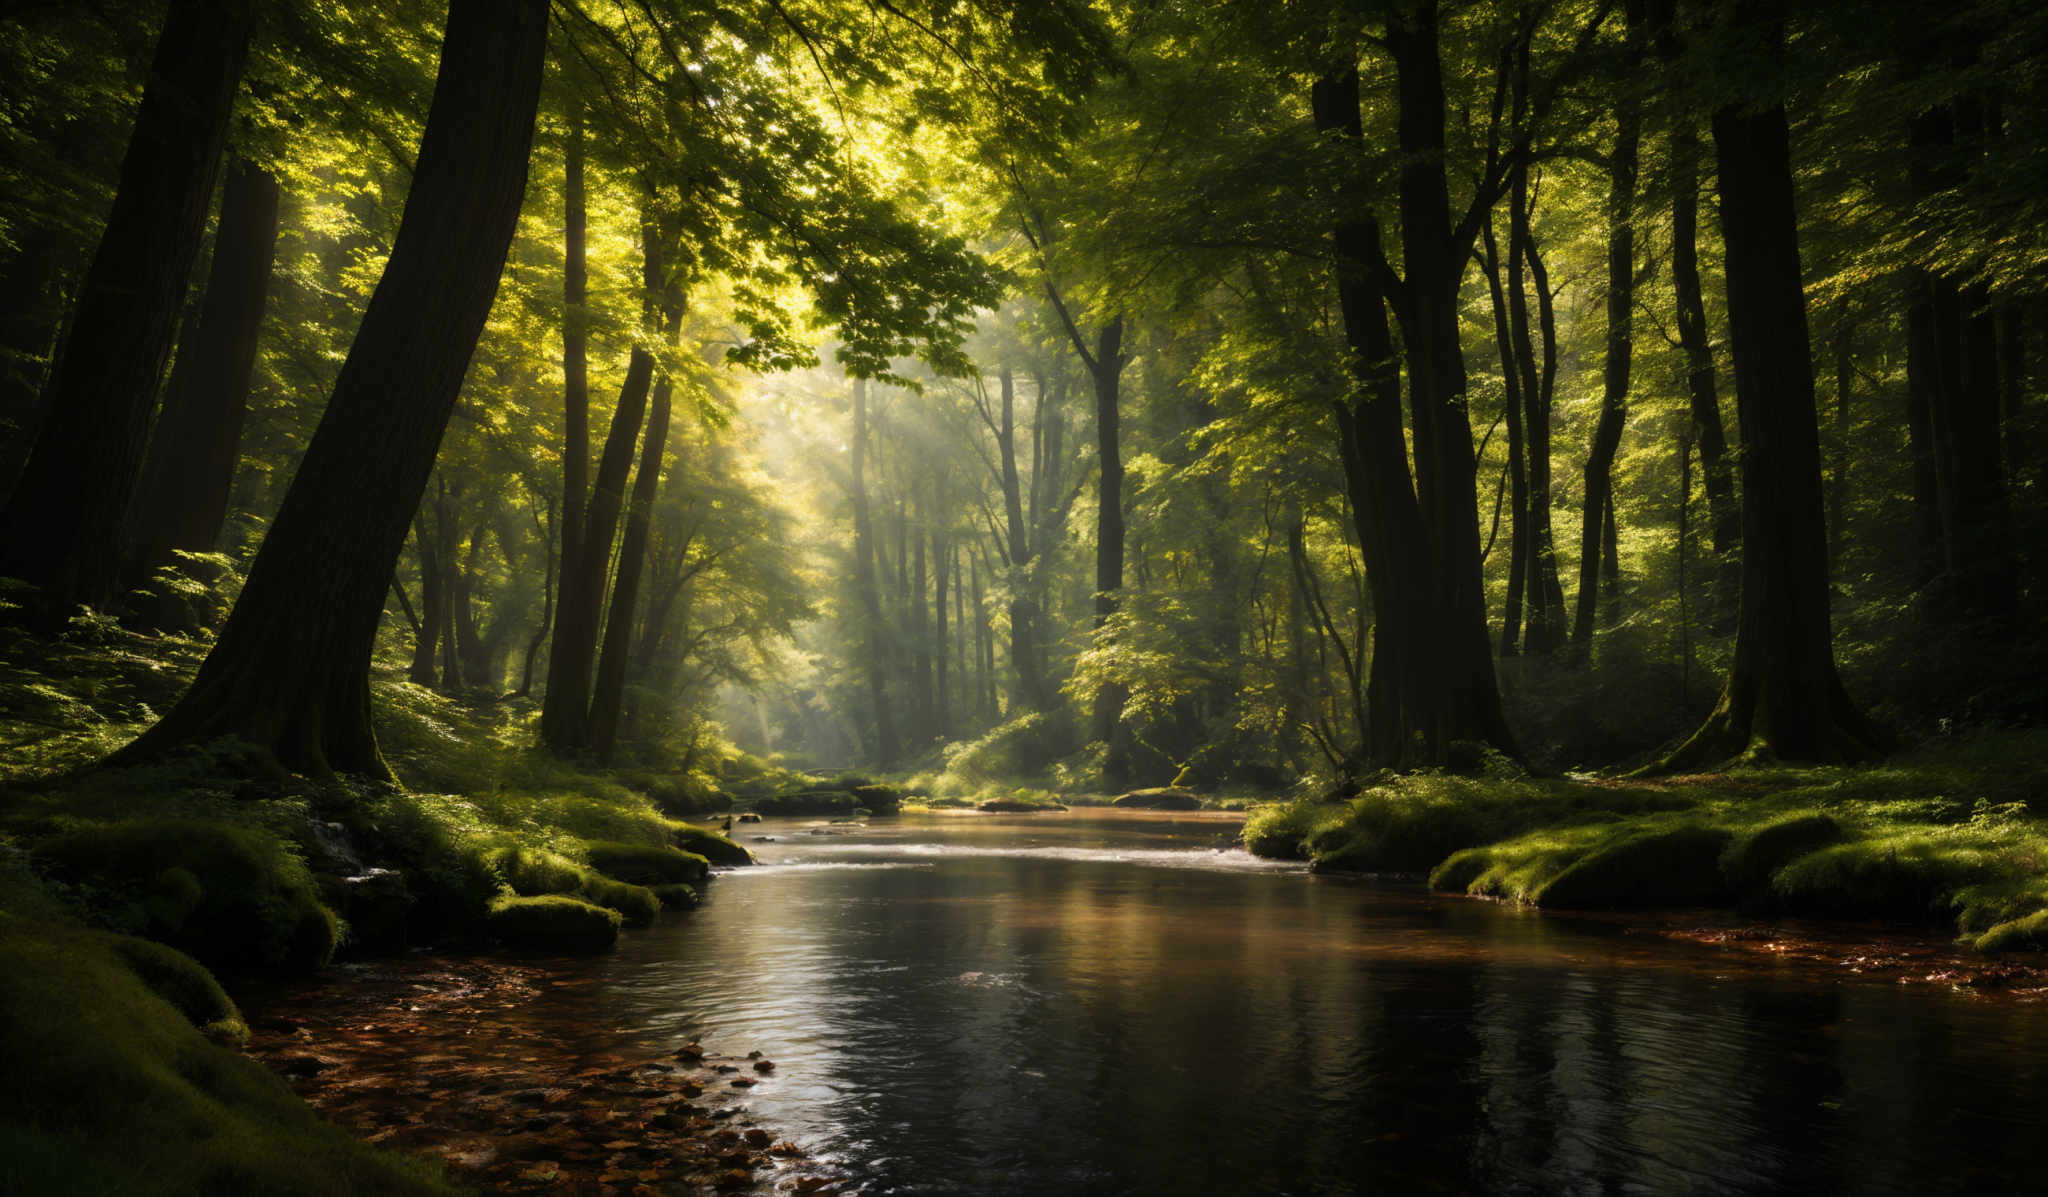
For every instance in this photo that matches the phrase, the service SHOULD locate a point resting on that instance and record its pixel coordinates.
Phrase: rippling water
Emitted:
(1111, 1003)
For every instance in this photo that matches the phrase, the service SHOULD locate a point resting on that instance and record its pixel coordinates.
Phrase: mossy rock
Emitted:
(553, 923)
(1676, 866)
(809, 802)
(184, 983)
(711, 845)
(231, 896)
(2028, 934)
(676, 896)
(532, 872)
(636, 904)
(112, 1089)
(879, 799)
(1748, 863)
(1159, 798)
(1907, 878)
(646, 864)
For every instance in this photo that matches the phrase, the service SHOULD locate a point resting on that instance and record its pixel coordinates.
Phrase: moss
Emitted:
(111, 1089)
(553, 923)
(646, 865)
(711, 845)
(1388, 832)
(1282, 829)
(676, 896)
(2022, 934)
(1460, 869)
(1674, 866)
(1748, 863)
(532, 872)
(878, 799)
(184, 983)
(1898, 876)
(636, 904)
(231, 896)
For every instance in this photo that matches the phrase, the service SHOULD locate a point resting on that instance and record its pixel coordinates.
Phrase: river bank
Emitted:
(1952, 834)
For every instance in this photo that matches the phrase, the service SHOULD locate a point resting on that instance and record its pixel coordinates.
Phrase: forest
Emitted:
(553, 547)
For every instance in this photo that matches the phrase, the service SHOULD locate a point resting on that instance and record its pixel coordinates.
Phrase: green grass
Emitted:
(553, 923)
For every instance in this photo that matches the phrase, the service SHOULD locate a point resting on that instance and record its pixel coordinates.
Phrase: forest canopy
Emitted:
(1083, 394)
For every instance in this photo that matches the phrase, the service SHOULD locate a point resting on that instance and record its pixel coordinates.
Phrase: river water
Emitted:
(1111, 1002)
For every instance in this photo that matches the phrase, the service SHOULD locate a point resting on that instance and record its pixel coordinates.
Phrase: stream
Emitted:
(1113, 1002)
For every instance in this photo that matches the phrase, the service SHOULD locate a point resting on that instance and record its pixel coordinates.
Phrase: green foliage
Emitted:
(229, 895)
(111, 1088)
(553, 923)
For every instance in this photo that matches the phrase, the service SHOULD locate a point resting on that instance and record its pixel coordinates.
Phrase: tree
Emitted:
(290, 672)
(62, 528)
(1783, 697)
(183, 496)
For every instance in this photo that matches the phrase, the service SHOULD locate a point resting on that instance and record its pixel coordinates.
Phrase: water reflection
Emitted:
(1107, 1004)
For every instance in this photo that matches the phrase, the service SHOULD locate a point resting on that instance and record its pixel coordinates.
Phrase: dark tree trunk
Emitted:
(426, 649)
(290, 672)
(1030, 693)
(62, 528)
(1542, 593)
(1464, 703)
(182, 500)
(1518, 479)
(471, 648)
(886, 747)
(1838, 478)
(547, 601)
(1783, 697)
(1923, 382)
(1598, 510)
(1708, 435)
(920, 629)
(572, 659)
(444, 528)
(608, 698)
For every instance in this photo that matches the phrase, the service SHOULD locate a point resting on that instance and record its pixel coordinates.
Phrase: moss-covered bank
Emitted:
(1955, 833)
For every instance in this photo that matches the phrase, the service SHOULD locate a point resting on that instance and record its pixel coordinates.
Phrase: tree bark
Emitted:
(572, 659)
(1518, 479)
(62, 528)
(1543, 594)
(1598, 507)
(189, 473)
(290, 672)
(608, 697)
(426, 649)
(1783, 698)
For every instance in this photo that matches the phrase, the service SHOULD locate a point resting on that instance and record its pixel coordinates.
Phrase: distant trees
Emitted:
(63, 526)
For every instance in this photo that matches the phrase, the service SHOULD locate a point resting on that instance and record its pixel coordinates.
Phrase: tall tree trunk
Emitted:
(426, 649)
(1463, 694)
(608, 697)
(575, 355)
(1598, 510)
(62, 528)
(886, 747)
(920, 627)
(290, 672)
(444, 529)
(547, 601)
(1030, 692)
(1542, 592)
(182, 499)
(1106, 370)
(942, 558)
(1708, 435)
(1783, 697)
(572, 660)
(1518, 480)
(1838, 478)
